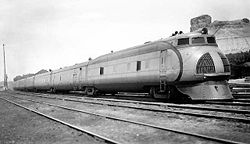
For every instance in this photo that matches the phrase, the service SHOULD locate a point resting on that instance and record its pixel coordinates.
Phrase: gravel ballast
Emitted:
(20, 126)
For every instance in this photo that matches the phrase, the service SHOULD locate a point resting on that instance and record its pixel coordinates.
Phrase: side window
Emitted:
(211, 40)
(198, 40)
(183, 41)
(101, 70)
(138, 66)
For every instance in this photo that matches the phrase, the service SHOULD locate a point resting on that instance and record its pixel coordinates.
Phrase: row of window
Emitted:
(138, 67)
(196, 40)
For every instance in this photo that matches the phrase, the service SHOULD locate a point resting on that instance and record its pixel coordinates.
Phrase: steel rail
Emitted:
(158, 110)
(242, 95)
(142, 123)
(181, 106)
(227, 103)
(173, 105)
(105, 139)
(163, 111)
(177, 106)
(242, 100)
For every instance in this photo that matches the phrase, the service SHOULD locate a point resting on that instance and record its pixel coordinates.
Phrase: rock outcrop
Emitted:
(232, 36)
(200, 22)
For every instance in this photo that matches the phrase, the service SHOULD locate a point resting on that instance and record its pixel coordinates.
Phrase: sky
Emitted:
(50, 34)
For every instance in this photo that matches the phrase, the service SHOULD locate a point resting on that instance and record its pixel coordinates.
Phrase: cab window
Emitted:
(183, 41)
(198, 40)
(138, 66)
(211, 40)
(101, 70)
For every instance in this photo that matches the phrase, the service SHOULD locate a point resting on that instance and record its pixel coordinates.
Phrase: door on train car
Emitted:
(51, 83)
(163, 67)
(169, 65)
(80, 77)
(75, 79)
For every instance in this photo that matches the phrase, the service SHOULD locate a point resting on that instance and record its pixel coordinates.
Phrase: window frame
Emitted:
(183, 40)
(101, 70)
(138, 65)
(211, 42)
(198, 37)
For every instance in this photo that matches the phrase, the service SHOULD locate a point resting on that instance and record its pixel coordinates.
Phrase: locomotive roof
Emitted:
(144, 48)
(140, 49)
(136, 50)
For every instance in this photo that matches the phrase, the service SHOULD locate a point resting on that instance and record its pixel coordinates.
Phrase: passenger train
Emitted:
(189, 66)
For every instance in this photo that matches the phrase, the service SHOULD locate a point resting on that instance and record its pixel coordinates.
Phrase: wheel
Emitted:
(91, 91)
(113, 93)
(52, 90)
(152, 92)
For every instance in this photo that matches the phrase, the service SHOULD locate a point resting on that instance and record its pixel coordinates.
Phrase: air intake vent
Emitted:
(205, 64)
(225, 62)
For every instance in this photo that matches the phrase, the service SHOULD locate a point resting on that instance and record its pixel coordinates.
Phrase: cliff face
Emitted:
(200, 22)
(232, 36)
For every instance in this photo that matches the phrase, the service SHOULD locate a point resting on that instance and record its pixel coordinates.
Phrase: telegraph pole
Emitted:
(5, 83)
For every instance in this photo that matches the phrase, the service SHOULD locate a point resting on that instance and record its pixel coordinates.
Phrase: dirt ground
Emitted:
(19, 126)
(52, 132)
(120, 131)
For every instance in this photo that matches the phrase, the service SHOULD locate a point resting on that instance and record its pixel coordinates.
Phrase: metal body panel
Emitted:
(42, 81)
(123, 71)
(191, 56)
(63, 80)
(170, 65)
(139, 68)
(210, 90)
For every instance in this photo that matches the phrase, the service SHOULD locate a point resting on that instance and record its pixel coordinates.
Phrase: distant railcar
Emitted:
(183, 66)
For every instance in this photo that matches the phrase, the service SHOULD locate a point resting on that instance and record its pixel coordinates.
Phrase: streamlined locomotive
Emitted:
(182, 66)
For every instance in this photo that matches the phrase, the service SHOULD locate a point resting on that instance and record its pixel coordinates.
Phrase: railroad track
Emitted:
(242, 100)
(99, 101)
(234, 103)
(173, 105)
(199, 136)
(241, 95)
(105, 139)
(143, 97)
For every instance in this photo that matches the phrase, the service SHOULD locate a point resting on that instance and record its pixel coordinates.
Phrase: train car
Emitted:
(189, 66)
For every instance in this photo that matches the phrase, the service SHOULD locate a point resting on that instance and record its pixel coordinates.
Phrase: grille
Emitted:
(225, 62)
(205, 64)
